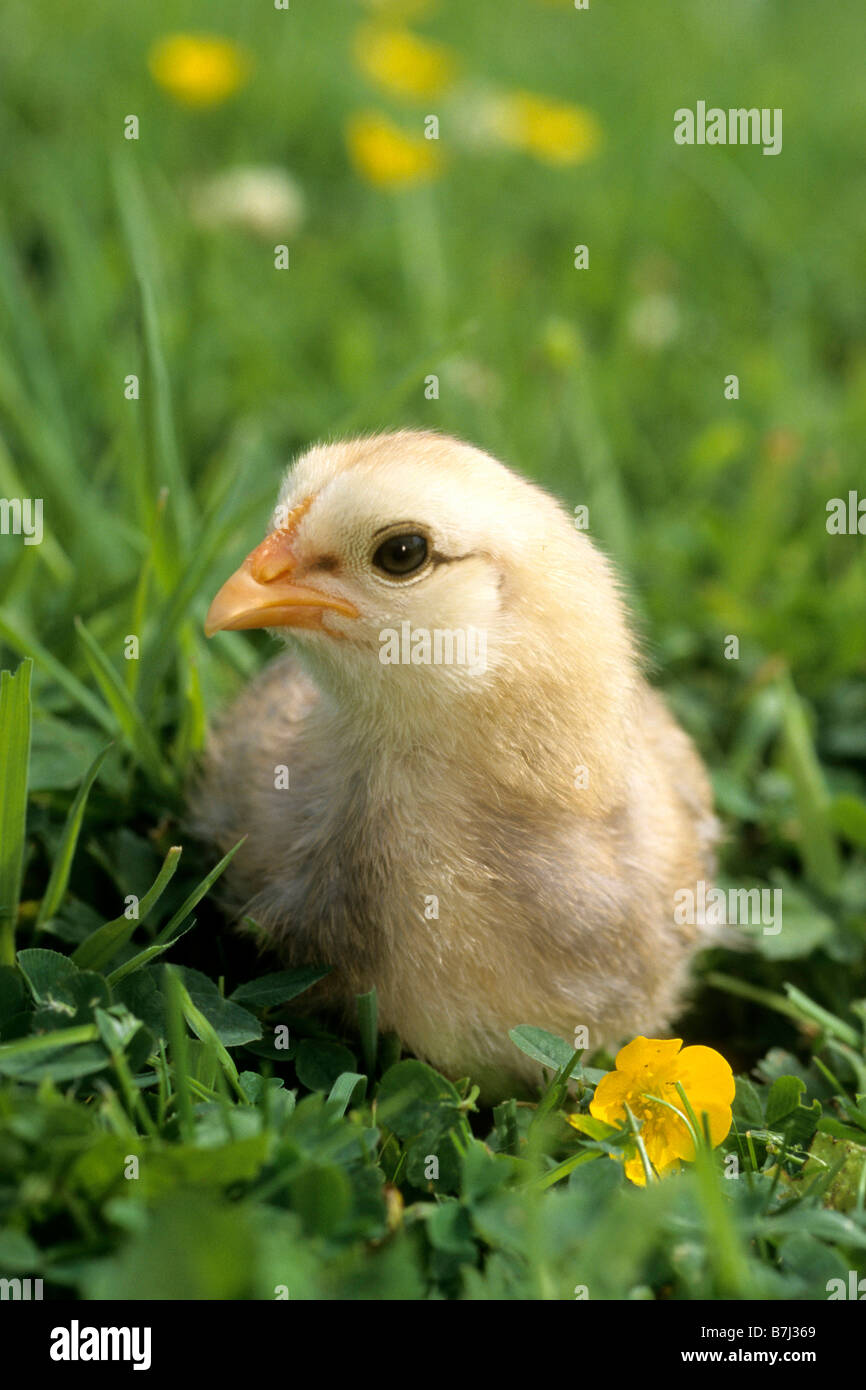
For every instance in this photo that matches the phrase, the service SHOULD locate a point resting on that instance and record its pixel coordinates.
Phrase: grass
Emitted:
(157, 1139)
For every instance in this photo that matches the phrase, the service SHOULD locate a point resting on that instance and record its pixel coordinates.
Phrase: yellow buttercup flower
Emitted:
(403, 64)
(651, 1067)
(199, 69)
(554, 131)
(385, 155)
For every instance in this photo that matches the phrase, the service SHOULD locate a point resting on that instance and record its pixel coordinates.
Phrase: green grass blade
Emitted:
(206, 1033)
(246, 501)
(144, 957)
(51, 473)
(347, 1084)
(53, 895)
(744, 989)
(34, 350)
(44, 1042)
(368, 1008)
(41, 657)
(562, 1170)
(812, 1012)
(128, 716)
(178, 1050)
(142, 588)
(15, 722)
(818, 847)
(162, 442)
(98, 949)
(192, 733)
(50, 552)
(196, 895)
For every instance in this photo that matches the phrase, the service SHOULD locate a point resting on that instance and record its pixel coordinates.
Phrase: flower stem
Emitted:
(649, 1172)
(693, 1132)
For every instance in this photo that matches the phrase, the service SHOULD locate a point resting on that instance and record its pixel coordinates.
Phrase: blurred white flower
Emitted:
(265, 200)
(653, 320)
(473, 380)
(476, 115)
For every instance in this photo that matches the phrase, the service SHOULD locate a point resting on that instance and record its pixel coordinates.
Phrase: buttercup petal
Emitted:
(634, 1171)
(642, 1053)
(705, 1075)
(611, 1096)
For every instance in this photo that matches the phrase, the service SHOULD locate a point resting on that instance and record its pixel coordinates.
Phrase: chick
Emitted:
(490, 830)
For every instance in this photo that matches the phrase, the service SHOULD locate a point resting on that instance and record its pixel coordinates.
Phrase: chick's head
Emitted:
(415, 568)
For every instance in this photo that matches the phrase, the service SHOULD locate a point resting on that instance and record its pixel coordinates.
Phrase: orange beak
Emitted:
(261, 593)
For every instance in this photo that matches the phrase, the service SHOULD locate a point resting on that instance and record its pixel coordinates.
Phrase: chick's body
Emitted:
(487, 845)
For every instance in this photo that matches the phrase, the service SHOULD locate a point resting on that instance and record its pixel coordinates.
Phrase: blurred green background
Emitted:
(606, 384)
(155, 257)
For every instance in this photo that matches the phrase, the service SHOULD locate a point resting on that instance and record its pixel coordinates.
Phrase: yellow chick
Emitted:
(458, 787)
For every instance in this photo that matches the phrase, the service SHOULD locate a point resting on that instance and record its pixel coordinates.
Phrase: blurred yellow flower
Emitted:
(403, 64)
(385, 155)
(199, 69)
(651, 1067)
(554, 131)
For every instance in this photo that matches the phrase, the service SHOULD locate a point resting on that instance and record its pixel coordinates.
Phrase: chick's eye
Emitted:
(401, 555)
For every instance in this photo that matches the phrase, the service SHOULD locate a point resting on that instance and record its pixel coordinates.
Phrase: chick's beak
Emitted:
(261, 593)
